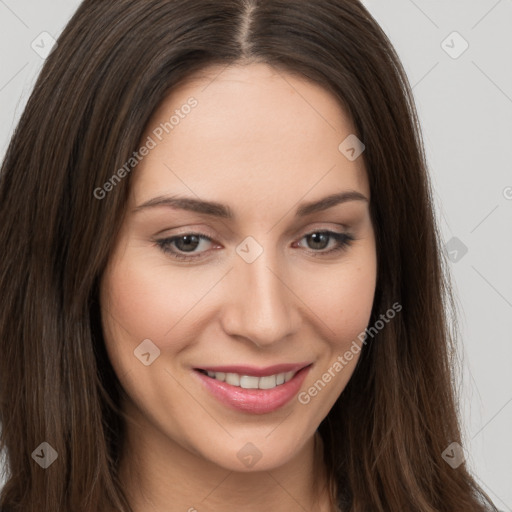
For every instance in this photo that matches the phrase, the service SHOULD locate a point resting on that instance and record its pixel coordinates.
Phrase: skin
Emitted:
(261, 141)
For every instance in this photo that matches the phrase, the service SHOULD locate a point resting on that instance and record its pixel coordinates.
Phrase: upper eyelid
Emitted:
(205, 232)
(211, 238)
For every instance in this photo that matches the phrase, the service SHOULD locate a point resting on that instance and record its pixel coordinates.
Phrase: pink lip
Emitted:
(254, 371)
(255, 401)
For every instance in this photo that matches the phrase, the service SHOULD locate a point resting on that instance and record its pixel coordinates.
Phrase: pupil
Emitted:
(316, 236)
(187, 238)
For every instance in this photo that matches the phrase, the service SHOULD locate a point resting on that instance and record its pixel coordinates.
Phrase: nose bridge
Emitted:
(261, 307)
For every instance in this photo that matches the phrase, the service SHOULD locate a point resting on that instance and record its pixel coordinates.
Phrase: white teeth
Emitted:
(233, 379)
(247, 382)
(251, 382)
(217, 375)
(288, 376)
(268, 382)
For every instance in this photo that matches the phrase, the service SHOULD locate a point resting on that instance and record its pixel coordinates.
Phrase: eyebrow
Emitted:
(223, 211)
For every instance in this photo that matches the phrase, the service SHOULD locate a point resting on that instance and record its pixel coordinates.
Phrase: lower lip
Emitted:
(255, 401)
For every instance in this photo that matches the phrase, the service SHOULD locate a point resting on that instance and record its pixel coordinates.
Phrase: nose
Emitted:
(261, 305)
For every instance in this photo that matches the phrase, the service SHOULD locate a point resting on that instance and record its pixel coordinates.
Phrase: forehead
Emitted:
(253, 133)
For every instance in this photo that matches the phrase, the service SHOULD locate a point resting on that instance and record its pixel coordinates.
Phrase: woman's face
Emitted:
(265, 295)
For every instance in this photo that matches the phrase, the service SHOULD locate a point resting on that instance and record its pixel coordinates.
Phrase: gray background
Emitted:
(465, 107)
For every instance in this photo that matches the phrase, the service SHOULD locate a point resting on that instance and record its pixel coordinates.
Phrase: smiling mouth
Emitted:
(254, 390)
(251, 381)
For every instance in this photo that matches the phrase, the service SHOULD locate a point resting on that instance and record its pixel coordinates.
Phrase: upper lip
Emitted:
(256, 371)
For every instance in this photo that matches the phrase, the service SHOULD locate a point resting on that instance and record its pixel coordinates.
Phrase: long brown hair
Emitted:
(113, 65)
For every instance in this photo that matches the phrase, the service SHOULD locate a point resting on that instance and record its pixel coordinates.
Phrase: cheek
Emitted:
(353, 294)
(344, 305)
(146, 300)
(342, 298)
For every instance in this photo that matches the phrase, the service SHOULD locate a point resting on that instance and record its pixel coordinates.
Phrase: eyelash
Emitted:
(344, 240)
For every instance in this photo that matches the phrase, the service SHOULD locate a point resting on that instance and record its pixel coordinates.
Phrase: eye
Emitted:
(183, 247)
(320, 240)
(186, 243)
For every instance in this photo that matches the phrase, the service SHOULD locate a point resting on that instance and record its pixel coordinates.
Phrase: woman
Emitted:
(262, 370)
